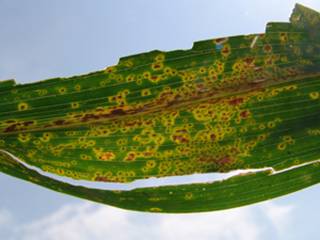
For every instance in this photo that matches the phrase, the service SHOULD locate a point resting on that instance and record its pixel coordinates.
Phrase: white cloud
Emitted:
(91, 221)
(5, 218)
(278, 215)
(6, 221)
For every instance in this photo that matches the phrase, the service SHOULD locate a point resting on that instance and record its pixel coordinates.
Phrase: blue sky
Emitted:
(40, 39)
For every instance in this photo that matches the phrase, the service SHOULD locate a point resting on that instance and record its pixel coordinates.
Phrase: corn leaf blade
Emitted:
(243, 102)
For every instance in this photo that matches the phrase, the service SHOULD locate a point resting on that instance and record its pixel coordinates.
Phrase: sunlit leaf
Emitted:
(243, 102)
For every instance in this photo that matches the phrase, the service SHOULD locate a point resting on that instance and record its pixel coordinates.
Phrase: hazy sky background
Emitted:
(41, 39)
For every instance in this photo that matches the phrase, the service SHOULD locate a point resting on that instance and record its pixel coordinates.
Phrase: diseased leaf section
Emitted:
(241, 102)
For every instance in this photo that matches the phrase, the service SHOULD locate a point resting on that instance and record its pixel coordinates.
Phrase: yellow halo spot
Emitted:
(226, 50)
(262, 126)
(314, 95)
(106, 156)
(291, 87)
(145, 92)
(139, 81)
(288, 139)
(62, 90)
(126, 91)
(147, 75)
(275, 92)
(155, 209)
(130, 78)
(150, 164)
(24, 137)
(91, 143)
(188, 196)
(77, 87)
(75, 105)
(157, 66)
(271, 124)
(262, 137)
(103, 83)
(85, 157)
(46, 137)
(160, 58)
(119, 78)
(283, 37)
(110, 69)
(168, 70)
(202, 70)
(122, 141)
(260, 97)
(23, 106)
(281, 146)
(128, 63)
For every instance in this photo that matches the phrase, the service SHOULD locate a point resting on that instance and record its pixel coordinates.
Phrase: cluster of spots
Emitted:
(204, 112)
(31, 153)
(242, 65)
(285, 141)
(131, 156)
(66, 172)
(150, 164)
(181, 135)
(160, 141)
(24, 137)
(168, 118)
(84, 142)
(313, 132)
(222, 111)
(100, 131)
(195, 138)
(16, 125)
(59, 164)
(273, 123)
(85, 157)
(272, 92)
(157, 65)
(165, 167)
(109, 176)
(103, 155)
(222, 158)
(120, 98)
(148, 136)
(184, 79)
(221, 44)
(46, 137)
(42, 92)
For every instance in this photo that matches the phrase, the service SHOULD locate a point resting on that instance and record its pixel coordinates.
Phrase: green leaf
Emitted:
(243, 102)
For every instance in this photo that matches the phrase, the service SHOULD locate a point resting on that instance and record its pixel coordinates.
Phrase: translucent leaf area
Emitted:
(236, 103)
